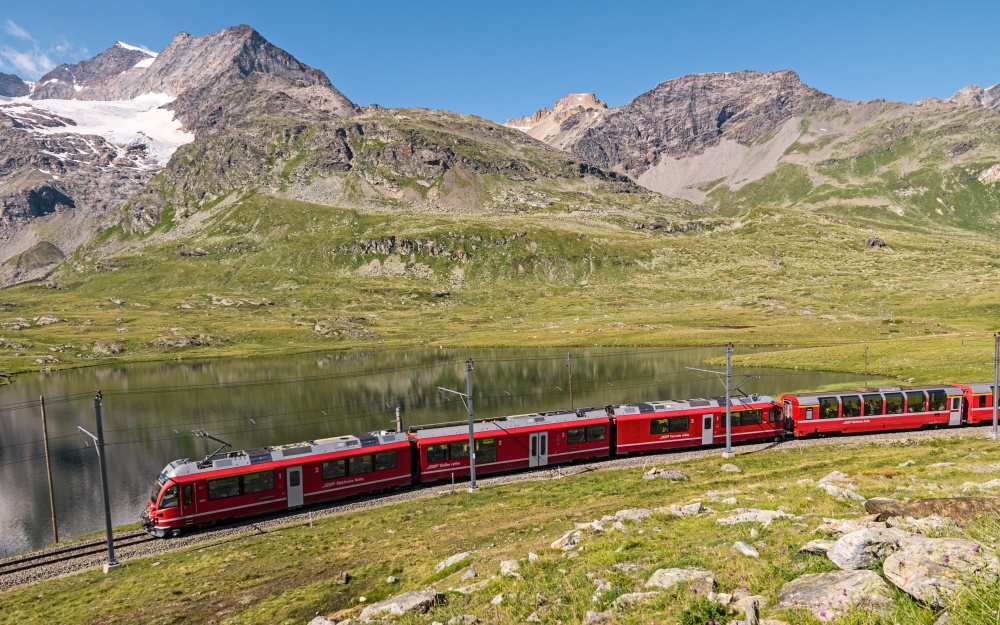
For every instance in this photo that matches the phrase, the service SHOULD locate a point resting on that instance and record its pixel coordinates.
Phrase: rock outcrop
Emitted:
(953, 507)
(828, 595)
(933, 569)
(12, 86)
(66, 82)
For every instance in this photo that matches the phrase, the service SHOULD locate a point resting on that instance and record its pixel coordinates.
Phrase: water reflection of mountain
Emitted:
(149, 410)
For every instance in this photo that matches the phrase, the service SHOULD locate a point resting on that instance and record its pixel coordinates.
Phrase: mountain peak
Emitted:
(65, 81)
(125, 46)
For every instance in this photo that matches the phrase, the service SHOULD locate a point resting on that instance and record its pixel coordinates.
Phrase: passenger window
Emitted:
(775, 415)
(357, 465)
(169, 499)
(224, 487)
(596, 432)
(678, 424)
(334, 469)
(982, 401)
(188, 494)
(873, 404)
(893, 403)
(385, 460)
(486, 450)
(437, 453)
(829, 407)
(851, 406)
(575, 436)
(750, 417)
(258, 482)
(459, 450)
(735, 418)
(659, 426)
(294, 478)
(809, 414)
(915, 401)
(938, 400)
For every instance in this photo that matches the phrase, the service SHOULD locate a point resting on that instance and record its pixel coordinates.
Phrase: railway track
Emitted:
(68, 554)
(133, 545)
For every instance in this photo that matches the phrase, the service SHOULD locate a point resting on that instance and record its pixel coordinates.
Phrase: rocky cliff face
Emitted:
(67, 81)
(976, 97)
(12, 87)
(64, 168)
(228, 75)
(679, 117)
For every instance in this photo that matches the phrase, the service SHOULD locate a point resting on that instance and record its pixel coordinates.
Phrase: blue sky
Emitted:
(501, 60)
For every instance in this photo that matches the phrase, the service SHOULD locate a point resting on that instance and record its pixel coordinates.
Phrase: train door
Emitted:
(538, 449)
(955, 416)
(294, 476)
(190, 508)
(707, 429)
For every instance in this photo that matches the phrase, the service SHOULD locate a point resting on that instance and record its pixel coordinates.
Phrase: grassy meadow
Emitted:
(263, 275)
(290, 575)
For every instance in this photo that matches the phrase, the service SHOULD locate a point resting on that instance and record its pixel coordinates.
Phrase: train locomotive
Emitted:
(189, 494)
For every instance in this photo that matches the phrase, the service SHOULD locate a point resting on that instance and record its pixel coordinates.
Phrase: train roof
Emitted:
(503, 424)
(951, 390)
(979, 387)
(674, 405)
(250, 457)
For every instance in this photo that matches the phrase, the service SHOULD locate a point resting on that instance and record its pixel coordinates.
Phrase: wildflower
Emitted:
(946, 559)
(975, 549)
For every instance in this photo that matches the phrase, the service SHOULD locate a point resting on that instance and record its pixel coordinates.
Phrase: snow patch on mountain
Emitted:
(122, 44)
(124, 122)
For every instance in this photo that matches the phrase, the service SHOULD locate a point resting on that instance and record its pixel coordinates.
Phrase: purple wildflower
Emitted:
(975, 549)
(946, 559)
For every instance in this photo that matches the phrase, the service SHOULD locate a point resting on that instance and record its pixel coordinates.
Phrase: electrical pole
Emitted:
(112, 564)
(729, 391)
(996, 380)
(569, 365)
(472, 431)
(866, 366)
(48, 471)
(729, 420)
(467, 399)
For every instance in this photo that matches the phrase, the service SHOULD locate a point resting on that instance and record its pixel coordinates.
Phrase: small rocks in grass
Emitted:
(840, 492)
(626, 567)
(754, 533)
(391, 580)
(567, 540)
(463, 619)
(415, 601)
(534, 618)
(699, 580)
(455, 559)
(633, 514)
(927, 525)
(497, 600)
(672, 475)
(321, 620)
(532, 556)
(597, 617)
(633, 598)
(470, 574)
(510, 568)
(721, 598)
(908, 463)
(343, 578)
(743, 548)
(729, 501)
(619, 526)
(752, 515)
(835, 477)
(819, 547)
(730, 468)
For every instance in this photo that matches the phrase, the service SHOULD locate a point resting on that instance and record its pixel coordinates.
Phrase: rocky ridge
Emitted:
(67, 82)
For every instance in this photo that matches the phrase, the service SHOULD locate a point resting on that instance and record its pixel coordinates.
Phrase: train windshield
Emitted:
(161, 479)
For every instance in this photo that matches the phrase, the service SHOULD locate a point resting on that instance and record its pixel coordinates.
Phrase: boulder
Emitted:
(321, 620)
(470, 574)
(567, 540)
(455, 559)
(840, 527)
(827, 595)
(865, 548)
(633, 514)
(743, 548)
(672, 475)
(835, 478)
(752, 515)
(840, 492)
(932, 569)
(633, 598)
(693, 509)
(816, 546)
(730, 468)
(960, 508)
(597, 617)
(510, 568)
(415, 601)
(698, 580)
(926, 526)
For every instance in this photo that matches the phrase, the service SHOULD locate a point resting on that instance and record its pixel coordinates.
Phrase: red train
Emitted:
(245, 483)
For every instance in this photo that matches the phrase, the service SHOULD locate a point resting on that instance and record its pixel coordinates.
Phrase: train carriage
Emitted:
(850, 412)
(256, 481)
(978, 402)
(649, 426)
(509, 443)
